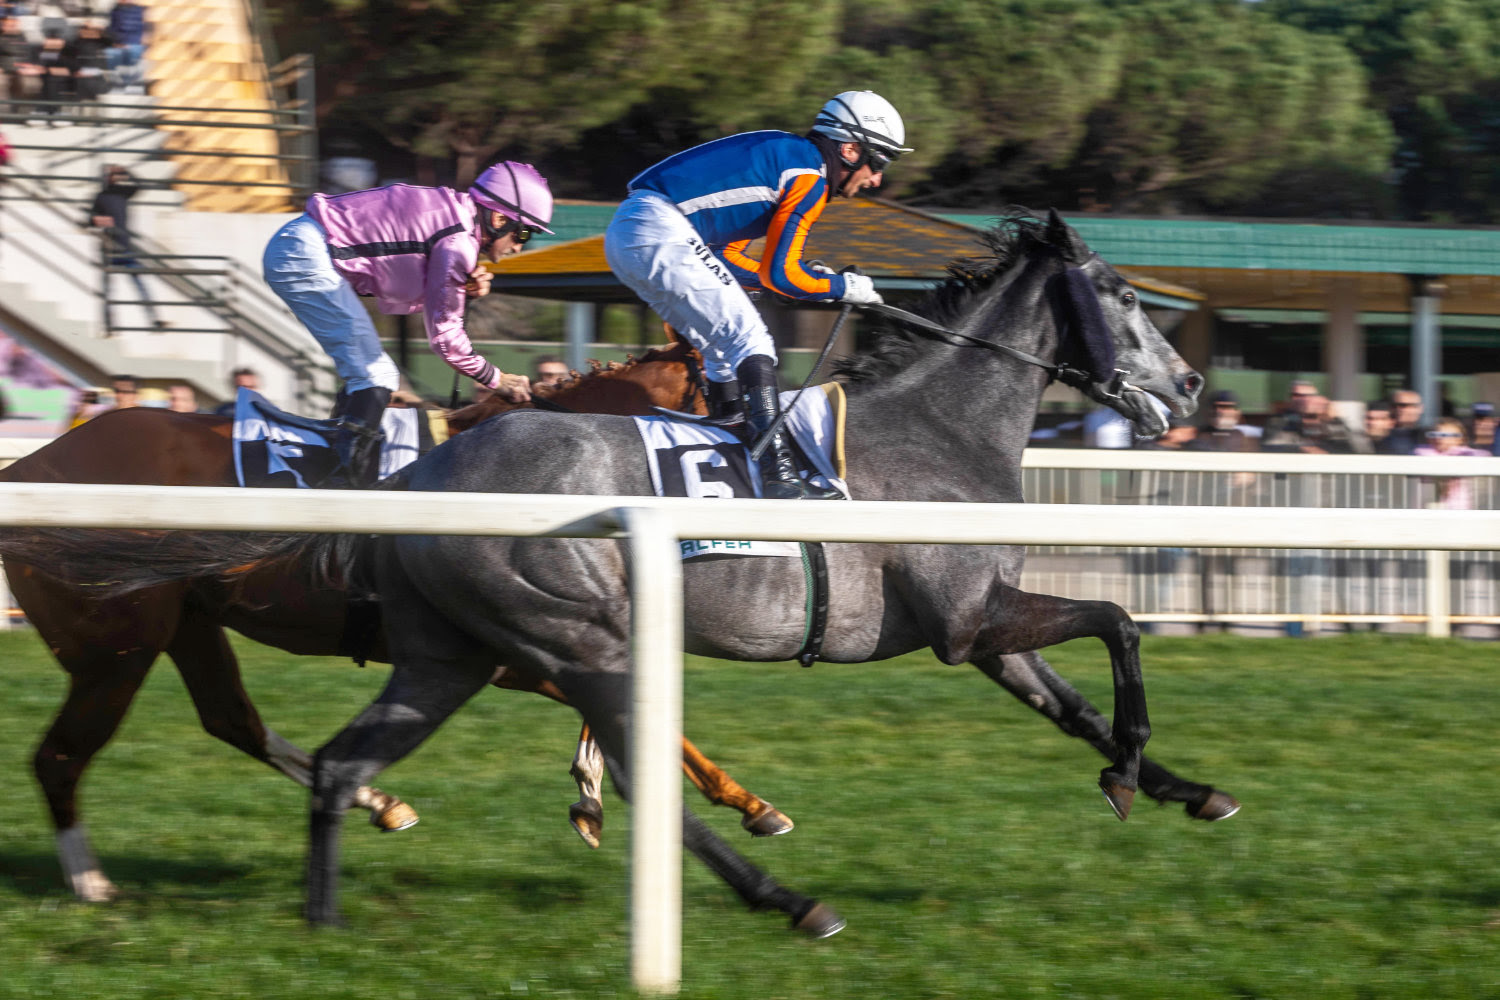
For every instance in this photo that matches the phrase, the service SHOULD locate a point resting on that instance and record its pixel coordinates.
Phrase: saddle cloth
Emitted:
(273, 448)
(701, 460)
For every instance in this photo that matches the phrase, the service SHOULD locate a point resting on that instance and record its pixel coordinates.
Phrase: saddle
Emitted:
(277, 449)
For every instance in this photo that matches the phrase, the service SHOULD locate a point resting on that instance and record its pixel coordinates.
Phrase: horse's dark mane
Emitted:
(894, 346)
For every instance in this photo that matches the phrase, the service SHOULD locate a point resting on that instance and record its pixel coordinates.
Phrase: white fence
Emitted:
(1231, 585)
(654, 527)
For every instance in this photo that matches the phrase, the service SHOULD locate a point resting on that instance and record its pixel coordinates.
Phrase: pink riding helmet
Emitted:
(516, 191)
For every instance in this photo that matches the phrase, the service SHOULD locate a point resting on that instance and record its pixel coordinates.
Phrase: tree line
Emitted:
(1380, 109)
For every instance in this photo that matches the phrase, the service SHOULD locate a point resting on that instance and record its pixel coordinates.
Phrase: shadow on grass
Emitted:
(30, 873)
(532, 891)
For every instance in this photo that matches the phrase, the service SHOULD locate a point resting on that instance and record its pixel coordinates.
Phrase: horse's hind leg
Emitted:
(209, 668)
(1021, 622)
(1033, 681)
(418, 697)
(760, 817)
(755, 887)
(586, 815)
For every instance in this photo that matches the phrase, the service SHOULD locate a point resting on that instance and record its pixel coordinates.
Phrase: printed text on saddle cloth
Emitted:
(699, 460)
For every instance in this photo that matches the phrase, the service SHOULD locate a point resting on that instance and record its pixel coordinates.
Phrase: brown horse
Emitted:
(107, 646)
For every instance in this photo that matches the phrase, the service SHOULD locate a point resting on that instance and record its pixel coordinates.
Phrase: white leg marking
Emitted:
(81, 868)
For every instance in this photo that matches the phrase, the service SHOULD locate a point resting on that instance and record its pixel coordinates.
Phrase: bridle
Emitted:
(1112, 387)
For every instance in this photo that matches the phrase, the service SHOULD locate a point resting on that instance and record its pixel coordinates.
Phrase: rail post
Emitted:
(1438, 609)
(655, 750)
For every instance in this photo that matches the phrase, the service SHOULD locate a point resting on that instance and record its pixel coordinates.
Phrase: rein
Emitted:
(1066, 374)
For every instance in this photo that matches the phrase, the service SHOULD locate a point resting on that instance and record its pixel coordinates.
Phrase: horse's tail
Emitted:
(113, 562)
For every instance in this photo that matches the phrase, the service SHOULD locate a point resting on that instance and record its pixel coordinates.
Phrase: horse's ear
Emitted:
(1065, 239)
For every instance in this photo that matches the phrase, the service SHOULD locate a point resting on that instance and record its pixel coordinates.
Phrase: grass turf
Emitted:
(960, 834)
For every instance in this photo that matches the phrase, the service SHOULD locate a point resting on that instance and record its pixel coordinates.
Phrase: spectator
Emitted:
(20, 78)
(127, 394)
(550, 370)
(1105, 428)
(181, 398)
(56, 59)
(1408, 434)
(1180, 436)
(1482, 433)
(1223, 430)
(240, 378)
(128, 30)
(91, 54)
(1379, 421)
(110, 214)
(1448, 439)
(1307, 427)
(86, 407)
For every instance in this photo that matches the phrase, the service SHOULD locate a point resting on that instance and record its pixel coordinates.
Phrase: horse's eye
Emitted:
(1128, 298)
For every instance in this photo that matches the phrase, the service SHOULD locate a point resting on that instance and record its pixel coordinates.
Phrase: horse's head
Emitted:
(1117, 355)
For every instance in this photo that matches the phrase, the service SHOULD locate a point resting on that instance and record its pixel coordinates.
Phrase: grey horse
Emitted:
(933, 419)
(940, 413)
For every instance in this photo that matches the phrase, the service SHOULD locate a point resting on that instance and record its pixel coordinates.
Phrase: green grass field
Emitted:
(960, 834)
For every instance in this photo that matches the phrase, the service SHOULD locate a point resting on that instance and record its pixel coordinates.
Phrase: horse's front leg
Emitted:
(1033, 681)
(1019, 622)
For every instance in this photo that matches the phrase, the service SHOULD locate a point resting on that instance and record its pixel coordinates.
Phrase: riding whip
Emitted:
(765, 439)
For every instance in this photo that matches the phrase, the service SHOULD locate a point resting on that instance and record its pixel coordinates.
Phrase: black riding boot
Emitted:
(357, 443)
(778, 473)
(724, 402)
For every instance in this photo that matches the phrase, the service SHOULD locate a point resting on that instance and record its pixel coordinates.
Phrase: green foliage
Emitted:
(1434, 70)
(1320, 107)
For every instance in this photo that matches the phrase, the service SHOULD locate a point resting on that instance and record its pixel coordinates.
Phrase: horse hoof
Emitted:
(769, 822)
(819, 922)
(395, 818)
(587, 824)
(1119, 797)
(93, 887)
(1216, 807)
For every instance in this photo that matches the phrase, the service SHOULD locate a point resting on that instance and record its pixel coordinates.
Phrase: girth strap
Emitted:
(815, 571)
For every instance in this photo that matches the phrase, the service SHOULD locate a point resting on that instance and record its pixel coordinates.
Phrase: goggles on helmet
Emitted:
(872, 150)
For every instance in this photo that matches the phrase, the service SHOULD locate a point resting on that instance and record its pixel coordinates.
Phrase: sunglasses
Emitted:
(1434, 435)
(879, 161)
(518, 231)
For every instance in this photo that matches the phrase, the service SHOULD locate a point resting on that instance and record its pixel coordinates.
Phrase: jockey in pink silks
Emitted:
(412, 249)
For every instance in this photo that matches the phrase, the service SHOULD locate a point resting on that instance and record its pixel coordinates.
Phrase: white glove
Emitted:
(859, 290)
(818, 267)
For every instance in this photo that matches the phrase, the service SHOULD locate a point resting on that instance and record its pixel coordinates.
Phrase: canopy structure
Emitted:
(903, 249)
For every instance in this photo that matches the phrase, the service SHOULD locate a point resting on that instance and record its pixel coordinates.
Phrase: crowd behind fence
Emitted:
(1296, 590)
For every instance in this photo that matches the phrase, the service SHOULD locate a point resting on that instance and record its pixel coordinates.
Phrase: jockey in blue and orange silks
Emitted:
(679, 242)
(412, 249)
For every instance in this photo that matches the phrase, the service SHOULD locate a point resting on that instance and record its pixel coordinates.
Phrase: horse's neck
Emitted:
(950, 427)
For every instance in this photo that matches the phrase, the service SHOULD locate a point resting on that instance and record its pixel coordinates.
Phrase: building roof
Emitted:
(902, 248)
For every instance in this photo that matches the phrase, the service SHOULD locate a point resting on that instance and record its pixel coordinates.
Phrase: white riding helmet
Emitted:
(865, 117)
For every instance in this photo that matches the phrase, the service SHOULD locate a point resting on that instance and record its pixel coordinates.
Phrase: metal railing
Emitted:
(291, 121)
(1300, 590)
(220, 286)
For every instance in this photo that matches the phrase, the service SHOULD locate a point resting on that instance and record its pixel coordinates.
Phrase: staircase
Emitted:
(206, 54)
(203, 54)
(51, 278)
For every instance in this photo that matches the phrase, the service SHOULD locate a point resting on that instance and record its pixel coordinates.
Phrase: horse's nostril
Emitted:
(1192, 384)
